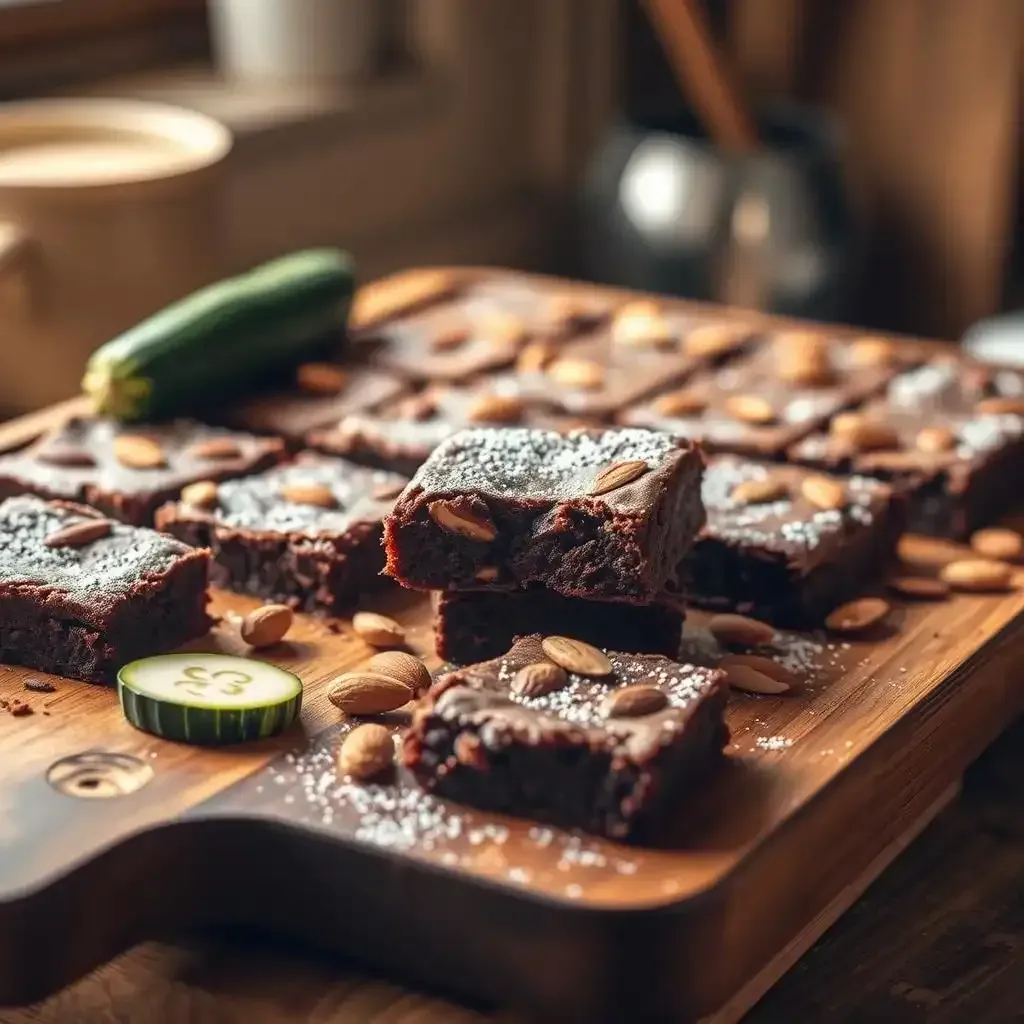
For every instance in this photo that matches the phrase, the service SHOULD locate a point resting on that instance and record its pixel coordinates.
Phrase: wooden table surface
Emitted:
(938, 938)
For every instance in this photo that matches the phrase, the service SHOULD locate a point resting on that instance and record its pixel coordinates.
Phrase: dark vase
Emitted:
(663, 210)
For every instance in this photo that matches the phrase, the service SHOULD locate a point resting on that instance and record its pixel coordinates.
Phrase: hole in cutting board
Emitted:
(98, 776)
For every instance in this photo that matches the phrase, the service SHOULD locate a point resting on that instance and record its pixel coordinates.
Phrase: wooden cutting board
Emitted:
(108, 836)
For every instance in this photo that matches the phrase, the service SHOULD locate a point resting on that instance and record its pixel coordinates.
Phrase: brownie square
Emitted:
(306, 534)
(564, 756)
(597, 514)
(84, 608)
(771, 550)
(94, 461)
(470, 625)
(950, 432)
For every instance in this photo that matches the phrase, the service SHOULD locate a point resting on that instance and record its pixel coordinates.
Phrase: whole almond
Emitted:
(469, 751)
(633, 702)
(617, 475)
(309, 494)
(863, 434)
(201, 494)
(464, 521)
(759, 663)
(502, 329)
(539, 679)
(749, 679)
(136, 451)
(977, 574)
(584, 374)
(267, 625)
(740, 631)
(450, 338)
(1000, 407)
(749, 409)
(759, 492)
(368, 693)
(215, 448)
(534, 357)
(367, 751)
(388, 491)
(823, 492)
(378, 630)
(641, 330)
(70, 457)
(321, 378)
(679, 403)
(935, 439)
(386, 299)
(1000, 544)
(406, 668)
(856, 616)
(576, 656)
(711, 340)
(495, 409)
(803, 359)
(76, 535)
(920, 588)
(871, 351)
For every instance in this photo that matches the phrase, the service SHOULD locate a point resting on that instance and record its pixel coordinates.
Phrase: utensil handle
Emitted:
(15, 294)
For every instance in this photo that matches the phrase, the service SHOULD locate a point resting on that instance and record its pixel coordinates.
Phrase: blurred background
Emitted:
(854, 160)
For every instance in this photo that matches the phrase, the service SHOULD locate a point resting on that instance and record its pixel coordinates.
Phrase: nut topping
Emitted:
(803, 358)
(749, 409)
(450, 338)
(463, 518)
(634, 702)
(871, 351)
(863, 434)
(76, 535)
(1000, 407)
(617, 475)
(539, 679)
(932, 440)
(366, 752)
(502, 329)
(709, 341)
(576, 656)
(469, 751)
(495, 409)
(760, 492)
(321, 378)
(201, 494)
(856, 616)
(215, 448)
(534, 357)
(679, 403)
(309, 494)
(584, 374)
(641, 330)
(823, 492)
(136, 451)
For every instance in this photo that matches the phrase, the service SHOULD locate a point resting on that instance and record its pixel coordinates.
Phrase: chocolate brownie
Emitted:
(786, 544)
(763, 401)
(129, 471)
(81, 595)
(401, 435)
(306, 534)
(570, 755)
(597, 514)
(470, 625)
(951, 432)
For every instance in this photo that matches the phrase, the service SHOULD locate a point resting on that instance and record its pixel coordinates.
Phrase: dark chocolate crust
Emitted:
(558, 758)
(532, 490)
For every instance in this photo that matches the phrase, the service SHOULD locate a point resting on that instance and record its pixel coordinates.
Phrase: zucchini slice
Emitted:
(208, 699)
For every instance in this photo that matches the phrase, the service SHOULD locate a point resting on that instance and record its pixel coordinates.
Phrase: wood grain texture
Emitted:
(819, 787)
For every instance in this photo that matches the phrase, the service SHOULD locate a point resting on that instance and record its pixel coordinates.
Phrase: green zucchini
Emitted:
(228, 338)
(208, 699)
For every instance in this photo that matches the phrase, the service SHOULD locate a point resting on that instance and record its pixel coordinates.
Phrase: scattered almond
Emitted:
(539, 679)
(388, 491)
(921, 588)
(215, 448)
(641, 330)
(802, 358)
(935, 439)
(70, 457)
(1000, 407)
(617, 475)
(740, 631)
(321, 378)
(309, 494)
(368, 693)
(404, 667)
(863, 434)
(367, 751)
(749, 409)
(576, 656)
(76, 535)
(136, 451)
(201, 494)
(1000, 544)
(450, 338)
(469, 751)
(463, 520)
(711, 340)
(386, 299)
(679, 403)
(977, 574)
(633, 702)
(759, 663)
(824, 492)
(759, 492)
(495, 409)
(378, 630)
(267, 625)
(749, 679)
(584, 374)
(856, 616)
(534, 357)
(871, 351)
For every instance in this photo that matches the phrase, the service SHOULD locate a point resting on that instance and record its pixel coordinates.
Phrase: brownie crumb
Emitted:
(40, 686)
(18, 708)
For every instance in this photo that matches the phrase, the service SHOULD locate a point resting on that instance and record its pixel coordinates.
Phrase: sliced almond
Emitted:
(267, 625)
(856, 616)
(766, 666)
(871, 351)
(76, 535)
(749, 409)
(539, 679)
(935, 439)
(215, 448)
(502, 329)
(321, 378)
(388, 491)
(136, 451)
(583, 374)
(1000, 407)
(309, 494)
(378, 630)
(739, 630)
(977, 574)
(920, 588)
(748, 679)
(576, 656)
(634, 702)
(824, 492)
(70, 457)
(463, 519)
(1000, 544)
(495, 409)
(863, 434)
(404, 667)
(709, 341)
(201, 494)
(450, 338)
(387, 299)
(760, 492)
(641, 330)
(617, 475)
(534, 357)
(368, 693)
(366, 752)
(679, 403)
